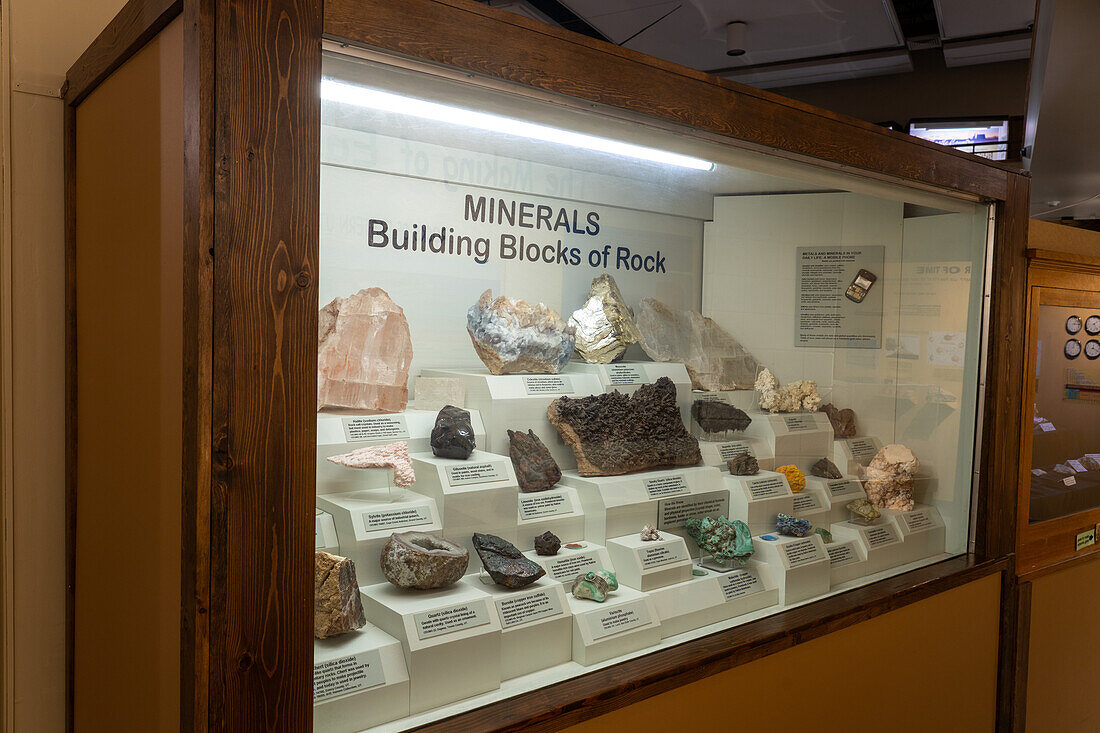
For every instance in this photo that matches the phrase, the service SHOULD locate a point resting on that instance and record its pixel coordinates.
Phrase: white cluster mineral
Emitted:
(512, 336)
(888, 478)
(792, 397)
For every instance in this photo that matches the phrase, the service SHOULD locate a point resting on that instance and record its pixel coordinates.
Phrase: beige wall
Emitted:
(41, 39)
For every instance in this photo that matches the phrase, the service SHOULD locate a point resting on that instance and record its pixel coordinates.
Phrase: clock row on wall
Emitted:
(1073, 347)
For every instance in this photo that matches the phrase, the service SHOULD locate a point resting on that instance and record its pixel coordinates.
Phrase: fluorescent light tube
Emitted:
(335, 91)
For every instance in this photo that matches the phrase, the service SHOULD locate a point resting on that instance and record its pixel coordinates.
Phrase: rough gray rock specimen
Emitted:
(743, 464)
(824, 468)
(512, 336)
(422, 560)
(505, 563)
(718, 417)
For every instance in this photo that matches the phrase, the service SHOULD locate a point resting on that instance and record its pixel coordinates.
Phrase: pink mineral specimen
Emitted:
(888, 478)
(363, 353)
(391, 455)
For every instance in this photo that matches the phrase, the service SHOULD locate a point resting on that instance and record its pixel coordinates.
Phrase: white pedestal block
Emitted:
(624, 623)
(556, 510)
(812, 503)
(619, 505)
(851, 454)
(847, 560)
(518, 402)
(325, 538)
(881, 541)
(565, 566)
(839, 491)
(649, 565)
(343, 433)
(716, 453)
(799, 438)
(451, 639)
(714, 597)
(365, 520)
(800, 565)
(359, 680)
(922, 530)
(756, 500)
(627, 376)
(479, 494)
(536, 625)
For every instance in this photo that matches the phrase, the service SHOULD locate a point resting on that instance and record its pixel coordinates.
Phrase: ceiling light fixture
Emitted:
(335, 91)
(735, 38)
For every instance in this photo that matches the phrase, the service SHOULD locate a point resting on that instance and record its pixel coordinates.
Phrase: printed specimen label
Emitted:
(620, 618)
(548, 384)
(375, 427)
(768, 487)
(671, 513)
(626, 374)
(348, 674)
(728, 451)
(570, 566)
(476, 473)
(882, 536)
(840, 555)
(531, 607)
(652, 557)
(665, 486)
(543, 504)
(801, 552)
(407, 516)
(740, 583)
(451, 619)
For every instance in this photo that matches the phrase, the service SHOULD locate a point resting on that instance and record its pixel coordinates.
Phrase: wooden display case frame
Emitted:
(252, 137)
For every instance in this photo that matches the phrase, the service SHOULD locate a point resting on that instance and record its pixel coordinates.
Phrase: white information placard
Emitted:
(766, 487)
(836, 302)
(801, 552)
(554, 384)
(570, 566)
(798, 423)
(839, 486)
(917, 520)
(375, 427)
(395, 517)
(348, 674)
(539, 504)
(740, 583)
(862, 449)
(652, 557)
(842, 554)
(661, 486)
(476, 473)
(448, 620)
(617, 619)
(626, 374)
(806, 502)
(729, 450)
(671, 513)
(881, 536)
(522, 609)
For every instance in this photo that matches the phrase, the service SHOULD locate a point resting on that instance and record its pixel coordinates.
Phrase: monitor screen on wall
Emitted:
(986, 137)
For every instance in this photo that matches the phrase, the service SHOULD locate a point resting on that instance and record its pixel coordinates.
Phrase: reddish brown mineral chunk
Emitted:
(337, 607)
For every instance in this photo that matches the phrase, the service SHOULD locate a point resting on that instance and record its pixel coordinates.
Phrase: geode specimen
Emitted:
(612, 434)
(650, 533)
(391, 455)
(505, 564)
(594, 585)
(795, 478)
(536, 469)
(888, 478)
(743, 464)
(547, 543)
(725, 540)
(453, 434)
(337, 606)
(422, 560)
(604, 326)
(363, 353)
(790, 526)
(798, 395)
(824, 468)
(714, 359)
(843, 421)
(718, 417)
(862, 509)
(512, 336)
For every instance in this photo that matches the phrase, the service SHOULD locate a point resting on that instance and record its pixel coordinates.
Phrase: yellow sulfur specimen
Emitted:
(795, 477)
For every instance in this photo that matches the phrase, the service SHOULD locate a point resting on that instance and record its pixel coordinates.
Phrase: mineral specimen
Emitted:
(843, 421)
(799, 395)
(536, 469)
(1063, 468)
(863, 510)
(743, 464)
(824, 468)
(790, 526)
(505, 564)
(337, 606)
(594, 585)
(433, 393)
(826, 535)
(718, 417)
(613, 434)
(714, 359)
(888, 478)
(604, 326)
(422, 560)
(363, 353)
(1090, 463)
(547, 543)
(575, 546)
(726, 541)
(391, 455)
(453, 434)
(512, 336)
(650, 533)
(795, 478)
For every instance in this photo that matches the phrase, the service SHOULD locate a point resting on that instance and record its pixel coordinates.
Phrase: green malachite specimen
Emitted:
(826, 535)
(595, 585)
(725, 540)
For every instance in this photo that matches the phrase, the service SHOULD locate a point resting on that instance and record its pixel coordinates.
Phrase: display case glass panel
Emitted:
(772, 398)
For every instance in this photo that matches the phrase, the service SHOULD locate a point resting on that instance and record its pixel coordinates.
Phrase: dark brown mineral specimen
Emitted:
(717, 417)
(612, 434)
(547, 543)
(824, 468)
(337, 606)
(506, 565)
(844, 421)
(536, 469)
(743, 464)
(453, 435)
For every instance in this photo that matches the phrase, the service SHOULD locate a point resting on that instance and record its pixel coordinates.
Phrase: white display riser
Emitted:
(536, 625)
(922, 530)
(716, 453)
(624, 623)
(649, 565)
(365, 520)
(557, 510)
(451, 639)
(627, 376)
(847, 560)
(325, 539)
(567, 564)
(336, 434)
(715, 597)
(478, 494)
(840, 491)
(852, 454)
(615, 506)
(882, 542)
(757, 500)
(799, 438)
(375, 682)
(812, 504)
(518, 402)
(800, 565)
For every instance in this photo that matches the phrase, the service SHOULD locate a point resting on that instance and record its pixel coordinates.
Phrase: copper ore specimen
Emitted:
(726, 541)
(613, 434)
(536, 469)
(337, 605)
(790, 526)
(506, 565)
(453, 434)
(824, 468)
(743, 464)
(843, 421)
(595, 585)
(422, 560)
(718, 417)
(547, 543)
